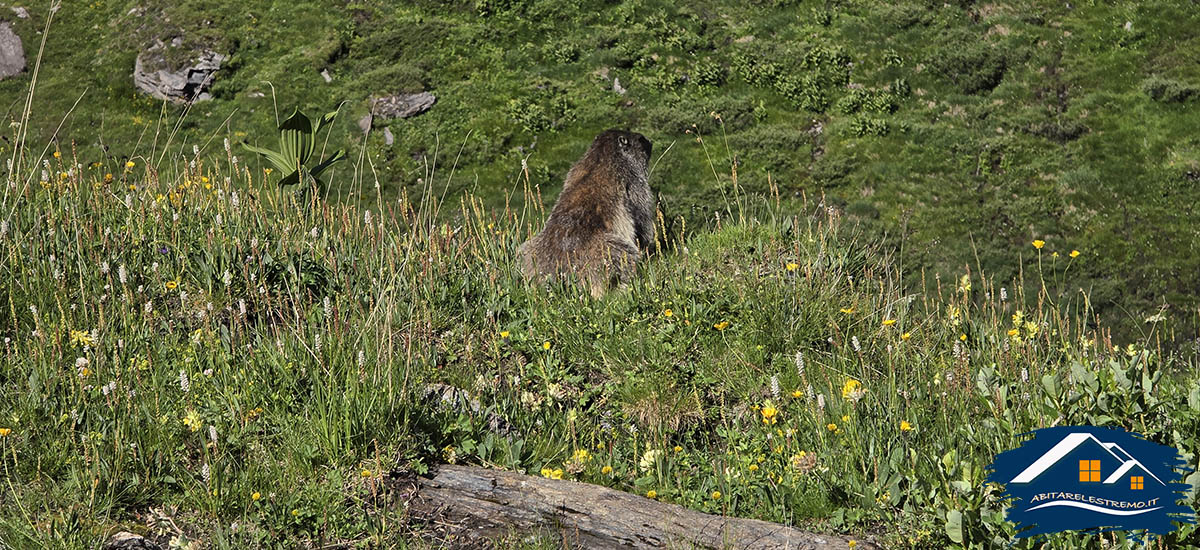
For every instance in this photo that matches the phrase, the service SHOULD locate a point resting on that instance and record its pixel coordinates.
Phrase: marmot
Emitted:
(603, 219)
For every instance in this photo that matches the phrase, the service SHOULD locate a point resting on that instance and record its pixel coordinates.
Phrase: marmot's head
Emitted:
(633, 147)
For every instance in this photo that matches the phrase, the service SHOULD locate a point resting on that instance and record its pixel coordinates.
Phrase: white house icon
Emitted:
(1069, 444)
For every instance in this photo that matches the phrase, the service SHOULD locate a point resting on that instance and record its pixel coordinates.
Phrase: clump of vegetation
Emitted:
(1169, 91)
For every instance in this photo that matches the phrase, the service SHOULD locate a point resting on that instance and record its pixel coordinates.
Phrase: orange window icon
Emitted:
(1135, 482)
(1089, 471)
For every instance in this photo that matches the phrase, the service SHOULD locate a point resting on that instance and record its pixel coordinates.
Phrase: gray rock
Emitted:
(153, 74)
(364, 123)
(129, 541)
(388, 139)
(12, 53)
(22, 13)
(402, 105)
(325, 74)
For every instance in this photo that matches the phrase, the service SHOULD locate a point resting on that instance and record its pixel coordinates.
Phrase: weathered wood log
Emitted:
(491, 503)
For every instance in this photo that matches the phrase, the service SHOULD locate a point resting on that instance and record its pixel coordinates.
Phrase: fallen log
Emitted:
(482, 503)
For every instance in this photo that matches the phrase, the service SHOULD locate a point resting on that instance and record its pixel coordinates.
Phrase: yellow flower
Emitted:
(581, 455)
(1038, 244)
(1054, 254)
(668, 313)
(962, 337)
(504, 334)
(57, 155)
(906, 336)
(768, 413)
(722, 325)
(203, 179)
(678, 449)
(295, 512)
(791, 266)
(1014, 332)
(716, 495)
(192, 420)
(130, 164)
(852, 543)
(365, 473)
(797, 394)
(845, 418)
(852, 390)
(255, 496)
(172, 285)
(847, 310)
(606, 470)
(81, 338)
(889, 322)
(1074, 254)
(546, 345)
(831, 427)
(905, 426)
(5, 431)
(267, 171)
(651, 494)
(754, 467)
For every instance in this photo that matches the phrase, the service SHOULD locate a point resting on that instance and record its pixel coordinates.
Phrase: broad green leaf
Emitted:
(281, 163)
(954, 526)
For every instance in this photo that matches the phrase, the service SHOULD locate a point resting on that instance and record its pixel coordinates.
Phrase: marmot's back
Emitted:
(603, 217)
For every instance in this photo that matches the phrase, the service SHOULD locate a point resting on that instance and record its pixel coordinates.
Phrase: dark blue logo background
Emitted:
(1072, 478)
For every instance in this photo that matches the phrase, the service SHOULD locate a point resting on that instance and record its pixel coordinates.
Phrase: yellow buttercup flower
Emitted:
(847, 310)
(768, 413)
(852, 390)
(962, 337)
(130, 164)
(606, 470)
(906, 336)
(172, 285)
(1038, 244)
(1074, 254)
(831, 427)
(1014, 332)
(678, 449)
(365, 473)
(546, 345)
(792, 266)
(889, 322)
(722, 325)
(504, 334)
(256, 496)
(651, 494)
(668, 313)
(5, 431)
(797, 394)
(716, 495)
(905, 426)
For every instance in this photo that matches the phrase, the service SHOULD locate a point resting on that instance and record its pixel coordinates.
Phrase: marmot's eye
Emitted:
(624, 141)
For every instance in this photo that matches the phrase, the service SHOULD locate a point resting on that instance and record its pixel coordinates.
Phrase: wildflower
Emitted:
(1054, 254)
(267, 171)
(5, 431)
(905, 426)
(962, 337)
(651, 494)
(581, 455)
(775, 386)
(847, 310)
(108, 177)
(852, 390)
(81, 338)
(57, 155)
(964, 284)
(606, 470)
(649, 459)
(797, 394)
(192, 420)
(889, 322)
(1014, 332)
(831, 427)
(1031, 328)
(792, 266)
(546, 345)
(183, 381)
(504, 334)
(852, 543)
(556, 473)
(769, 412)
(753, 468)
(172, 285)
(906, 336)
(129, 164)
(678, 449)
(365, 473)
(1074, 254)
(668, 312)
(295, 512)
(722, 325)
(845, 418)
(716, 495)
(255, 496)
(1038, 244)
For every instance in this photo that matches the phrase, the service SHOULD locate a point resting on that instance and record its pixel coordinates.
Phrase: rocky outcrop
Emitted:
(402, 105)
(153, 72)
(12, 53)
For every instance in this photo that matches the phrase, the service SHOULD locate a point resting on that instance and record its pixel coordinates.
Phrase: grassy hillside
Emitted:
(212, 362)
(956, 133)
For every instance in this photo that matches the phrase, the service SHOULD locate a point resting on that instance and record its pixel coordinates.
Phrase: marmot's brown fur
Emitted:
(603, 219)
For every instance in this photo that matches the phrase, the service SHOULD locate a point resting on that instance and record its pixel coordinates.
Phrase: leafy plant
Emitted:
(297, 144)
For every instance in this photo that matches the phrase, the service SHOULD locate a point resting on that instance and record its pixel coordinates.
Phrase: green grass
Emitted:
(254, 371)
(957, 132)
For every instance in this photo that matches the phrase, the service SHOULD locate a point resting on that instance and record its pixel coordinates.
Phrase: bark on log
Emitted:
(492, 503)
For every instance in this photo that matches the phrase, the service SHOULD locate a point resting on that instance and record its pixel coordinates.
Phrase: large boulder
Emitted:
(12, 53)
(156, 74)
